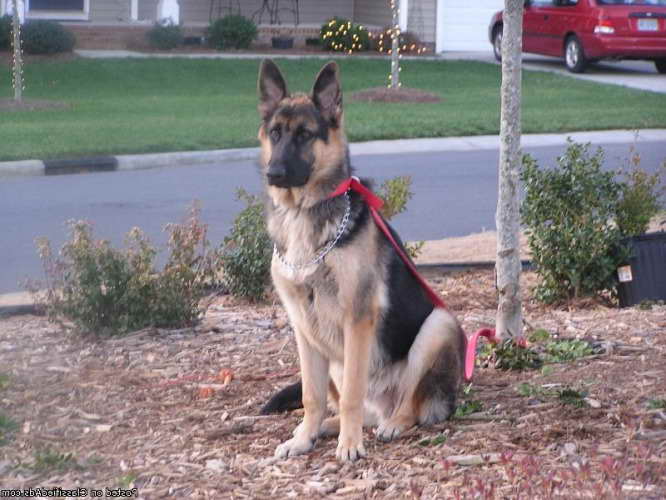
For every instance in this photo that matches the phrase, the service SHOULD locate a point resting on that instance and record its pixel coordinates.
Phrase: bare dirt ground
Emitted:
(403, 94)
(174, 413)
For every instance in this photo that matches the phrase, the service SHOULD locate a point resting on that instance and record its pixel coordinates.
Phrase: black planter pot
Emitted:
(644, 276)
(282, 42)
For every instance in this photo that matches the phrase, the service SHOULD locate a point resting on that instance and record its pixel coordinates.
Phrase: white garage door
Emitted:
(463, 24)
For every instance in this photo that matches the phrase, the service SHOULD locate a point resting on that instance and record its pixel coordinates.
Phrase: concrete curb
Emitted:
(159, 160)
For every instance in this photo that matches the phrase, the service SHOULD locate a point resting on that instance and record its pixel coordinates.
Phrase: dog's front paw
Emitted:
(392, 428)
(350, 449)
(295, 446)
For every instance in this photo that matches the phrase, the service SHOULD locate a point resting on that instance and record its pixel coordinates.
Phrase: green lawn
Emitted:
(152, 105)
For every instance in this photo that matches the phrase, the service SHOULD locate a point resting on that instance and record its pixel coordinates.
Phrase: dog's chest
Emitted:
(313, 305)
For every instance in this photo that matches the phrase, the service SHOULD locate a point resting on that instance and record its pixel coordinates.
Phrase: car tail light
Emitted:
(604, 28)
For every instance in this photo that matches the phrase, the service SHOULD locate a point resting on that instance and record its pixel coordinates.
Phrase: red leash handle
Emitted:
(375, 203)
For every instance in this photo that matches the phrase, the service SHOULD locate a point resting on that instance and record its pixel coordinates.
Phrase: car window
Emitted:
(566, 3)
(542, 3)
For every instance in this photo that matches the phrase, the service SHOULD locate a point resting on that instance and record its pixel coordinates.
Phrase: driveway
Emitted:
(634, 74)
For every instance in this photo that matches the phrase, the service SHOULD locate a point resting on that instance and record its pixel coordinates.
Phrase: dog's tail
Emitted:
(289, 398)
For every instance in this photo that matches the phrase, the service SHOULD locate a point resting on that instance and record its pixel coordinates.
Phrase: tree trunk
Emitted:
(395, 46)
(507, 217)
(18, 55)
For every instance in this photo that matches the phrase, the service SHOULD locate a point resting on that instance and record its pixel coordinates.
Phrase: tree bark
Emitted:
(395, 45)
(18, 55)
(507, 217)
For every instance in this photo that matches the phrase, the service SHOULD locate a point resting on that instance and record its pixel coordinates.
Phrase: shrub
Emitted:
(641, 197)
(108, 291)
(247, 251)
(570, 213)
(395, 193)
(165, 36)
(232, 32)
(408, 42)
(5, 32)
(46, 37)
(341, 35)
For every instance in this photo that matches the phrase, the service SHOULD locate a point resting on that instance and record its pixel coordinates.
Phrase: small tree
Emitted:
(507, 217)
(395, 45)
(17, 67)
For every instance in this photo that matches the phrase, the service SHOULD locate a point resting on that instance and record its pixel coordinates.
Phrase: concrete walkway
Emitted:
(187, 158)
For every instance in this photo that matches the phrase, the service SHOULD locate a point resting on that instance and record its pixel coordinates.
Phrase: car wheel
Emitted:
(574, 56)
(497, 42)
(660, 64)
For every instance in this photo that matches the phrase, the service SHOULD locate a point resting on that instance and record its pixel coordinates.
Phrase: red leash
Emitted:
(375, 203)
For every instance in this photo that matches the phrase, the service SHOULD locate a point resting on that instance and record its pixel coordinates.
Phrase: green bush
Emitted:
(247, 251)
(46, 37)
(395, 193)
(232, 32)
(108, 291)
(341, 35)
(641, 198)
(5, 32)
(570, 214)
(165, 36)
(409, 42)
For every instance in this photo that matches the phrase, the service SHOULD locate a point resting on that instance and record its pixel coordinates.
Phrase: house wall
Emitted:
(374, 12)
(422, 19)
(310, 11)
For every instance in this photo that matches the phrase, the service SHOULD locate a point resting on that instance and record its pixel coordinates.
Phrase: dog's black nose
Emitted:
(276, 174)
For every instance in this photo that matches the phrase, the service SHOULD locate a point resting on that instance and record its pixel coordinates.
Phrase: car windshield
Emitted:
(632, 2)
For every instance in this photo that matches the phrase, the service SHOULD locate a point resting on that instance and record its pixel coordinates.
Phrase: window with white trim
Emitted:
(58, 9)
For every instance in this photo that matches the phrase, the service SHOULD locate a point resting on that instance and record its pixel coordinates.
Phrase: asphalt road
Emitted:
(454, 194)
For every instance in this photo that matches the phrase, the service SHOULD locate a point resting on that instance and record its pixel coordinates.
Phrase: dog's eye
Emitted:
(275, 134)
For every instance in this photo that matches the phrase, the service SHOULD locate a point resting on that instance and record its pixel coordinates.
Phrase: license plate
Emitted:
(648, 25)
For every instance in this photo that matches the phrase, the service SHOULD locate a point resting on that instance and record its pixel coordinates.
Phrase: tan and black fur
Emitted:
(370, 343)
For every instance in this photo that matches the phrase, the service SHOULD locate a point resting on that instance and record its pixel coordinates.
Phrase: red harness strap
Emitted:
(375, 203)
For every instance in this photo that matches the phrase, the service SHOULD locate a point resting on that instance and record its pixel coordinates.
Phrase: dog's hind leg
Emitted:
(436, 352)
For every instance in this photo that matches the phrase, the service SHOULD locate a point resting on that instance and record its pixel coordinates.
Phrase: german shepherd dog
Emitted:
(369, 340)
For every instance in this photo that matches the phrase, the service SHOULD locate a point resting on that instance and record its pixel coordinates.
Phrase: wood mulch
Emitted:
(402, 94)
(32, 105)
(174, 413)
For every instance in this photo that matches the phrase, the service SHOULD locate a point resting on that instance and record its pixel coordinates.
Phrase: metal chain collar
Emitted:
(320, 256)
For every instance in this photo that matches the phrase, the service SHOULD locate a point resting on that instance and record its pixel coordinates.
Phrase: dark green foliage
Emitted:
(467, 408)
(641, 197)
(434, 441)
(247, 251)
(108, 291)
(341, 35)
(563, 351)
(572, 397)
(165, 36)
(570, 213)
(51, 460)
(46, 37)
(5, 32)
(7, 428)
(508, 355)
(657, 404)
(232, 32)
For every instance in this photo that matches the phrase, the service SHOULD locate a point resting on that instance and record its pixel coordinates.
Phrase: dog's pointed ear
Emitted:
(271, 88)
(327, 93)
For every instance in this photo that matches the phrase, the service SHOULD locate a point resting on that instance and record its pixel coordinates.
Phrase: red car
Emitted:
(584, 31)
